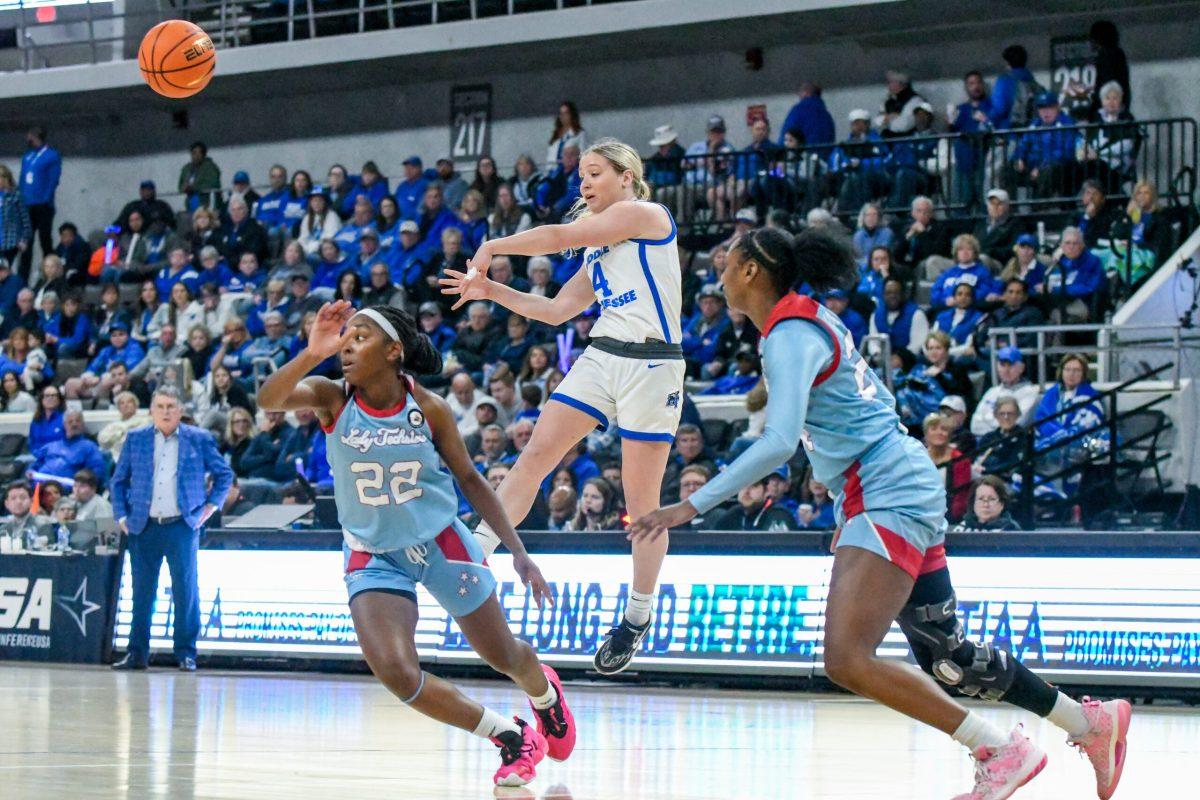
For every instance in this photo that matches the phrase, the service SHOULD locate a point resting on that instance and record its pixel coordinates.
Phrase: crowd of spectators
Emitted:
(213, 295)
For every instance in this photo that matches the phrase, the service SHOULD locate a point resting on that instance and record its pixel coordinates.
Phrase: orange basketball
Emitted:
(177, 58)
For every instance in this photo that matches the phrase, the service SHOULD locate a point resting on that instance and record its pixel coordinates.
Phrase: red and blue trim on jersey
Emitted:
(797, 306)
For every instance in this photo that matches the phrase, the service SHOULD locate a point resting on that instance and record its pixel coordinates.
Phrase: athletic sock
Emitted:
(638, 610)
(492, 725)
(487, 539)
(976, 732)
(544, 701)
(1068, 715)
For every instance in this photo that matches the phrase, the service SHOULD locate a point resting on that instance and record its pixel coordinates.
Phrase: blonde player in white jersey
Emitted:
(631, 374)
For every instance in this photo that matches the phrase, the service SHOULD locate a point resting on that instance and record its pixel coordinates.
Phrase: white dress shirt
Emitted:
(164, 498)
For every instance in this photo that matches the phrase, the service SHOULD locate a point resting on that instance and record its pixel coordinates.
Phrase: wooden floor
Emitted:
(90, 733)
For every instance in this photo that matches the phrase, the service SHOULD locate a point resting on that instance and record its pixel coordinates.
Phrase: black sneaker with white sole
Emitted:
(619, 647)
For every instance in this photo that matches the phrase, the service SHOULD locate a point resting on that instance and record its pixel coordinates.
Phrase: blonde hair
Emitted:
(965, 240)
(1133, 209)
(6, 176)
(623, 159)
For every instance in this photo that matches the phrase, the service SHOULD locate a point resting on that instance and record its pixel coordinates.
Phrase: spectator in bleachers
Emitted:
(874, 273)
(1010, 368)
(816, 514)
(18, 502)
(269, 208)
(338, 189)
(203, 234)
(406, 258)
(47, 423)
(247, 278)
(1073, 279)
(690, 448)
(462, 399)
(199, 179)
(1001, 449)
(998, 233)
(739, 332)
(756, 180)
(1094, 215)
(967, 269)
(898, 317)
(38, 368)
(126, 268)
(1145, 224)
(559, 191)
(151, 250)
(838, 301)
(109, 310)
(539, 370)
(89, 503)
(141, 323)
(472, 220)
(973, 119)
(410, 192)
(502, 387)
(742, 377)
(433, 325)
(1014, 91)
(11, 285)
(754, 511)
(519, 433)
(779, 489)
(292, 261)
(954, 409)
(1111, 64)
(178, 269)
(808, 120)
(274, 344)
(224, 394)
(47, 313)
(857, 163)
(937, 430)
(73, 252)
(320, 222)
(1044, 158)
(561, 506)
(181, 311)
(960, 321)
(68, 333)
(488, 446)
(362, 220)
(541, 282)
(95, 380)
(449, 256)
(988, 507)
(106, 256)
(368, 254)
(871, 233)
(452, 184)
(896, 118)
(41, 168)
(508, 217)
(234, 342)
(148, 207)
(1026, 265)
(380, 291)
(435, 217)
(241, 234)
(331, 264)
(16, 231)
(921, 236)
(704, 173)
(212, 269)
(476, 342)
(260, 462)
(515, 345)
(14, 398)
(295, 206)
(664, 169)
(487, 181)
(1109, 150)
(239, 431)
(387, 222)
(597, 510)
(700, 333)
(1016, 312)
(1073, 391)
(304, 453)
(21, 314)
(691, 480)
(920, 392)
(525, 182)
(66, 456)
(371, 184)
(568, 131)
(913, 164)
(241, 189)
(52, 279)
(164, 353)
(111, 437)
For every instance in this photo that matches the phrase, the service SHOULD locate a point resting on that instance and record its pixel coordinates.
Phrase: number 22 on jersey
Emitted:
(370, 482)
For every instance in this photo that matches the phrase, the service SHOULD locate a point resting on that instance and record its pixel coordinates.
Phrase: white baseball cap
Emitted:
(860, 114)
(663, 134)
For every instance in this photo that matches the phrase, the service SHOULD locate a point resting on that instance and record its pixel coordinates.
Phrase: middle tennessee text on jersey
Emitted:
(638, 285)
(390, 489)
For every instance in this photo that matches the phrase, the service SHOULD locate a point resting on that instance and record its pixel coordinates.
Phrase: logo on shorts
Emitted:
(415, 417)
(673, 399)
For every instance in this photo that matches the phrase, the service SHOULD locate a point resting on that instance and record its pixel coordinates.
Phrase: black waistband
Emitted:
(651, 350)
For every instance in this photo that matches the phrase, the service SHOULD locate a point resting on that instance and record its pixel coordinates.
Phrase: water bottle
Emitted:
(62, 540)
(31, 539)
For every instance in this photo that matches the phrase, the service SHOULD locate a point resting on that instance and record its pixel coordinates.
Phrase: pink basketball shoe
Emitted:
(1000, 771)
(556, 723)
(1104, 742)
(519, 755)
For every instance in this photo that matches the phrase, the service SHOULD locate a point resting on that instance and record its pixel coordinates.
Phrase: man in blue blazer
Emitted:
(160, 500)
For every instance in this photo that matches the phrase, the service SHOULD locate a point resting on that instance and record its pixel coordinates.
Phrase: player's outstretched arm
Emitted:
(569, 303)
(627, 219)
(478, 492)
(287, 389)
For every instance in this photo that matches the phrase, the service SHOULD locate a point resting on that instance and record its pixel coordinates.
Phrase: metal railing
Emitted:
(954, 169)
(233, 24)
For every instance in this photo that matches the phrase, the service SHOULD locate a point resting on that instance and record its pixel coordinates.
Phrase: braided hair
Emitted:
(420, 356)
(819, 258)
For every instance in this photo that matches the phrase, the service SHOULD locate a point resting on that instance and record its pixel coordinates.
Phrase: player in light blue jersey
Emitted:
(890, 561)
(630, 375)
(387, 438)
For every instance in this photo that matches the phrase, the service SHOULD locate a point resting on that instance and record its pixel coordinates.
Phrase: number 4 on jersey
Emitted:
(599, 284)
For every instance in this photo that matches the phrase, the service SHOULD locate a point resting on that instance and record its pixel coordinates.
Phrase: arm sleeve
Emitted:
(793, 359)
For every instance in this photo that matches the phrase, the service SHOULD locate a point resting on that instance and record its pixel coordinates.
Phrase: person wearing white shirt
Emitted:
(1011, 368)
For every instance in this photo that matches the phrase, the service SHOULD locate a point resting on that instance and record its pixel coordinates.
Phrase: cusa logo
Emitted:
(21, 608)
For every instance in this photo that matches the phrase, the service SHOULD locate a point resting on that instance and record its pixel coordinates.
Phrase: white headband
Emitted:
(381, 321)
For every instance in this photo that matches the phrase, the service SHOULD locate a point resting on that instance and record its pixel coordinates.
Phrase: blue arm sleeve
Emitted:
(792, 359)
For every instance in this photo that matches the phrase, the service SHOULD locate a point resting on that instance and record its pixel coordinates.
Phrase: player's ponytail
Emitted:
(821, 259)
(420, 356)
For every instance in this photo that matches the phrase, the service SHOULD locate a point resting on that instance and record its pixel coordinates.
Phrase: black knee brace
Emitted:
(977, 670)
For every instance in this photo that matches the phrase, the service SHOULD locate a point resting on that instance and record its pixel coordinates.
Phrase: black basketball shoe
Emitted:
(619, 647)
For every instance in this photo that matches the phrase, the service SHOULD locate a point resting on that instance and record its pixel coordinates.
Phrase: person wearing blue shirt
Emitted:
(664, 169)
(406, 258)
(899, 318)
(177, 270)
(234, 342)
(121, 348)
(1074, 279)
(410, 192)
(1044, 158)
(560, 190)
(1008, 86)
(295, 206)
(41, 169)
(70, 330)
(368, 253)
(361, 220)
(961, 320)
(453, 185)
(434, 217)
(967, 269)
(837, 301)
(701, 333)
(871, 233)
(858, 161)
(269, 208)
(371, 184)
(248, 277)
(274, 299)
(432, 325)
(809, 121)
(274, 344)
(973, 119)
(66, 456)
(47, 423)
(11, 285)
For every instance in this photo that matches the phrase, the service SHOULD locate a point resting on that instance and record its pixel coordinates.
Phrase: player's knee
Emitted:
(846, 664)
(401, 675)
(507, 658)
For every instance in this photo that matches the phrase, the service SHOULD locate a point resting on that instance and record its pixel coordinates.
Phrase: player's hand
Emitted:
(650, 526)
(532, 578)
(326, 337)
(470, 285)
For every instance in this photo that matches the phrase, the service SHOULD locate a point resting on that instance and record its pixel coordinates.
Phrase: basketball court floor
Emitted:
(76, 733)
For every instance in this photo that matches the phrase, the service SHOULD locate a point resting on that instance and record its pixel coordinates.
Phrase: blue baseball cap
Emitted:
(118, 325)
(782, 471)
(318, 191)
(412, 161)
(112, 230)
(1046, 99)
(837, 294)
(1010, 354)
(241, 176)
(1028, 240)
(146, 185)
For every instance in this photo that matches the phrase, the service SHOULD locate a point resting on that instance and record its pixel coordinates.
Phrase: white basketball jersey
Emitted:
(638, 284)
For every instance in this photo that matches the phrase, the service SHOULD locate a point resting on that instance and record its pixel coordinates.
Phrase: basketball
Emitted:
(177, 58)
